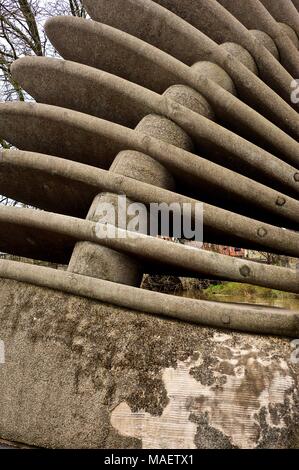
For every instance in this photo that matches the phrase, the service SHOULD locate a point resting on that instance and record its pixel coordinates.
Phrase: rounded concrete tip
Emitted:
(19, 67)
(57, 29)
(57, 23)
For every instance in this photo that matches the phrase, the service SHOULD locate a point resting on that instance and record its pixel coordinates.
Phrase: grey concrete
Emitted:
(241, 54)
(291, 33)
(152, 253)
(296, 4)
(188, 167)
(21, 238)
(54, 128)
(215, 73)
(31, 179)
(190, 44)
(89, 360)
(101, 94)
(243, 317)
(267, 42)
(73, 37)
(91, 260)
(220, 225)
(61, 132)
(226, 26)
(103, 262)
(284, 11)
(13, 445)
(62, 378)
(262, 20)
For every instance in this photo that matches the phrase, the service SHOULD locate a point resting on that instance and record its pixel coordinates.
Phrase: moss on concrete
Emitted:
(246, 290)
(71, 361)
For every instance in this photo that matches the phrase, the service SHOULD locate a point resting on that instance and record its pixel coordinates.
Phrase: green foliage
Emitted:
(245, 290)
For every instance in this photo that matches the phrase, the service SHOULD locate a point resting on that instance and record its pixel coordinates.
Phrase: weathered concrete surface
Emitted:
(50, 237)
(220, 25)
(21, 238)
(230, 227)
(72, 37)
(30, 184)
(36, 179)
(267, 42)
(235, 317)
(291, 33)
(78, 373)
(104, 262)
(241, 54)
(114, 99)
(284, 11)
(262, 20)
(221, 390)
(234, 191)
(215, 73)
(176, 37)
(218, 225)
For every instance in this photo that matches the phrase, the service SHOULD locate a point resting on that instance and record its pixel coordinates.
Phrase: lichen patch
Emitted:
(239, 394)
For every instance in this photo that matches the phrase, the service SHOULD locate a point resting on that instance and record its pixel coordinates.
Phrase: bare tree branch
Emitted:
(22, 33)
(31, 22)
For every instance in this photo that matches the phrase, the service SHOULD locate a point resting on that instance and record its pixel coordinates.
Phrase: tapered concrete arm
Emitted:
(254, 319)
(156, 251)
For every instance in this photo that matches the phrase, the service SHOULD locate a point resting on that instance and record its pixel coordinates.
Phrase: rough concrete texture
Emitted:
(291, 33)
(267, 42)
(264, 21)
(52, 229)
(190, 99)
(102, 262)
(108, 48)
(82, 373)
(284, 11)
(208, 17)
(112, 98)
(241, 54)
(217, 74)
(220, 225)
(79, 373)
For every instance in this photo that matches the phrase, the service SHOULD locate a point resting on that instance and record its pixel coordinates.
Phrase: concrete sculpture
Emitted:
(165, 102)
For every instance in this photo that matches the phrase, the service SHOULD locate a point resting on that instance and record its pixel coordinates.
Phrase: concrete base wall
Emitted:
(79, 373)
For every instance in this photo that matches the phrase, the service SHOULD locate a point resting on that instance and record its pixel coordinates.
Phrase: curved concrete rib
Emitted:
(229, 227)
(36, 180)
(156, 251)
(25, 240)
(61, 132)
(125, 56)
(44, 128)
(98, 93)
(254, 319)
(284, 11)
(218, 24)
(51, 81)
(190, 46)
(263, 21)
